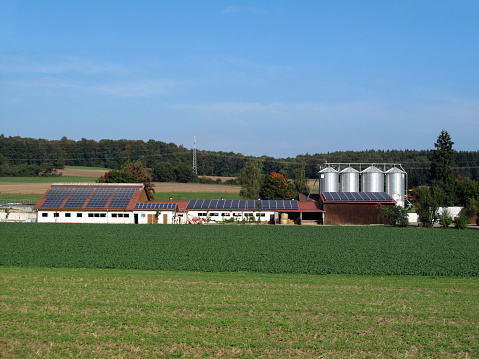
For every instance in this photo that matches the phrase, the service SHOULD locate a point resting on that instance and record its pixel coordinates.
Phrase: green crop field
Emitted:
(94, 313)
(262, 249)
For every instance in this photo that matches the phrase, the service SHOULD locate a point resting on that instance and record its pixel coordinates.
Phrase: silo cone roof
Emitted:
(328, 170)
(395, 170)
(349, 170)
(372, 169)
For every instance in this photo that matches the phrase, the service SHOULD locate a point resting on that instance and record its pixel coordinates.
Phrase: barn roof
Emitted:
(92, 196)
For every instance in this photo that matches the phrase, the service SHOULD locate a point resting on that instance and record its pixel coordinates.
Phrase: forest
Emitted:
(21, 156)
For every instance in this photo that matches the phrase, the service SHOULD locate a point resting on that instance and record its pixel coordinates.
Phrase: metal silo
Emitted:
(328, 180)
(349, 180)
(372, 180)
(395, 184)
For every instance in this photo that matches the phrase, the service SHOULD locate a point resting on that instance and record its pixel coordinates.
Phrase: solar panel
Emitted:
(59, 192)
(124, 192)
(103, 192)
(97, 203)
(52, 202)
(357, 196)
(74, 203)
(82, 192)
(155, 205)
(119, 203)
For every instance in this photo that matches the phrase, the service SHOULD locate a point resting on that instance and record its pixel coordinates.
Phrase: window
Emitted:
(90, 214)
(103, 215)
(214, 214)
(68, 214)
(202, 214)
(248, 214)
(225, 214)
(143, 215)
(114, 215)
(126, 215)
(79, 214)
(44, 214)
(237, 214)
(262, 214)
(179, 215)
(56, 214)
(97, 215)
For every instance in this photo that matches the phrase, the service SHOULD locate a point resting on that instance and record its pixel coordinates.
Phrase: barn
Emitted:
(101, 203)
(354, 208)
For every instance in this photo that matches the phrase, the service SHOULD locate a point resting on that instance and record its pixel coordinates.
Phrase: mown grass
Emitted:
(48, 179)
(30, 198)
(136, 314)
(186, 196)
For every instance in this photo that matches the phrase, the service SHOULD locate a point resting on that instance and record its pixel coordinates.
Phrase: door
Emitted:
(152, 219)
(165, 218)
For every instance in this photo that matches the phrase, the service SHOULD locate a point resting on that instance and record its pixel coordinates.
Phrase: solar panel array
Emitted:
(241, 204)
(169, 205)
(59, 192)
(95, 198)
(357, 196)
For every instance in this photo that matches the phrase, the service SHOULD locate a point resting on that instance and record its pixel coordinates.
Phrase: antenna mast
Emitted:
(195, 166)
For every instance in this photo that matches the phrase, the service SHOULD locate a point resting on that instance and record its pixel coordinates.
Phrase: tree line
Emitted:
(21, 156)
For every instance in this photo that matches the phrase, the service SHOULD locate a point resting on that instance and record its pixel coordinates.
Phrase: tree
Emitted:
(276, 186)
(300, 181)
(251, 179)
(164, 172)
(132, 173)
(427, 203)
(184, 173)
(440, 172)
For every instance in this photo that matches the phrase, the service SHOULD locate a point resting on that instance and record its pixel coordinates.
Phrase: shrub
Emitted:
(462, 221)
(445, 218)
(397, 216)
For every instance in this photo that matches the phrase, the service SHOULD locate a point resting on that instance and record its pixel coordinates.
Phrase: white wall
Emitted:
(85, 217)
(143, 216)
(222, 214)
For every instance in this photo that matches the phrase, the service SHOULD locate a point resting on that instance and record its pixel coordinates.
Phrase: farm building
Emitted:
(354, 208)
(128, 203)
(101, 203)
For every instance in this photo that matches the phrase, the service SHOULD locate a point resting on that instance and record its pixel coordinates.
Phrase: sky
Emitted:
(276, 78)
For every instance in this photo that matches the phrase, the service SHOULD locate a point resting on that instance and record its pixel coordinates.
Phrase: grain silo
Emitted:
(395, 184)
(328, 180)
(372, 180)
(349, 180)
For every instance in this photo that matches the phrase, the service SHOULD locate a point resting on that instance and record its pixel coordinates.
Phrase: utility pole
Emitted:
(195, 166)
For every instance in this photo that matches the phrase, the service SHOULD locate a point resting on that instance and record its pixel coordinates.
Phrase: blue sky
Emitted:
(277, 78)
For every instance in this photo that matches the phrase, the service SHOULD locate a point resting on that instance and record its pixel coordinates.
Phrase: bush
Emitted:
(445, 218)
(397, 216)
(462, 221)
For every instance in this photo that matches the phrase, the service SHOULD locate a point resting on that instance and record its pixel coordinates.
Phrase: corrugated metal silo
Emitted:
(372, 180)
(396, 184)
(328, 180)
(349, 180)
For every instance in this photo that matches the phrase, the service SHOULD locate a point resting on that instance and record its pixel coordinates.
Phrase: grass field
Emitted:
(49, 179)
(136, 314)
(30, 198)
(87, 168)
